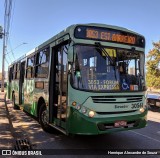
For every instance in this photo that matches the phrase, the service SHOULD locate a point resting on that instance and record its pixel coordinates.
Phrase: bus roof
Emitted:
(69, 30)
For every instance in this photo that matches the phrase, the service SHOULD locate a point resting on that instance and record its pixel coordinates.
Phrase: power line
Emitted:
(7, 19)
(11, 22)
(7, 61)
(11, 50)
(10, 27)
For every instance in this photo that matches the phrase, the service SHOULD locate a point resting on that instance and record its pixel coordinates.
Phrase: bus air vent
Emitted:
(115, 112)
(117, 99)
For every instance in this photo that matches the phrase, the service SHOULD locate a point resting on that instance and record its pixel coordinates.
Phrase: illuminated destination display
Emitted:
(109, 35)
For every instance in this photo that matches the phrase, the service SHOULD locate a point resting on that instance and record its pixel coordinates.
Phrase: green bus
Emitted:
(89, 79)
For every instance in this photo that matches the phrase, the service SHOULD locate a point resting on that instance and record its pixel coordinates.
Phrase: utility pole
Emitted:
(2, 35)
(1, 32)
(3, 60)
(7, 19)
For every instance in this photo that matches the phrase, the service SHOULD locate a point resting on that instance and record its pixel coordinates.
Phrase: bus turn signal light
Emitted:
(74, 103)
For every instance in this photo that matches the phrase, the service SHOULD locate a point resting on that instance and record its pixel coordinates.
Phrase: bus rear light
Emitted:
(91, 114)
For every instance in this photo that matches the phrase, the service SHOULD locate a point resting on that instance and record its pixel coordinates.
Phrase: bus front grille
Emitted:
(115, 112)
(117, 99)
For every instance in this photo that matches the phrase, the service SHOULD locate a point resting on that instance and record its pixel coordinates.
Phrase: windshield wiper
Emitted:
(108, 56)
(105, 52)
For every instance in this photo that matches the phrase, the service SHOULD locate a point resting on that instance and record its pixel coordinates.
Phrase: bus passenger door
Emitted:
(62, 84)
(10, 77)
(58, 92)
(21, 81)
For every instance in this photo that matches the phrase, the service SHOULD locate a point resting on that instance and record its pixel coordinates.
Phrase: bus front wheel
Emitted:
(43, 119)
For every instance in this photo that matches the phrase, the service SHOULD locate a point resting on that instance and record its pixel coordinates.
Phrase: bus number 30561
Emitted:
(137, 105)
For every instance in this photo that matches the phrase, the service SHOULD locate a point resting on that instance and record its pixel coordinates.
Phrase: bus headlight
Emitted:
(91, 114)
(141, 110)
(78, 107)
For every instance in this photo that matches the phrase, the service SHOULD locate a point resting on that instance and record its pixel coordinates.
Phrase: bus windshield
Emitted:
(107, 69)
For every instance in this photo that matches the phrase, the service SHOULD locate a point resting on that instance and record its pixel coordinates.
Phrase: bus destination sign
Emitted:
(109, 35)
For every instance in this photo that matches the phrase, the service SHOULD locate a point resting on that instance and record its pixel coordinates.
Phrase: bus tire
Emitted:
(13, 103)
(72, 135)
(43, 119)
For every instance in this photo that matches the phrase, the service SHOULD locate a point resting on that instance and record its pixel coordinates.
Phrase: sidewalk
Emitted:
(13, 123)
(6, 137)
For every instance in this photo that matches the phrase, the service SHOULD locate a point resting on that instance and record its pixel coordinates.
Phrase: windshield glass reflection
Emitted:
(107, 69)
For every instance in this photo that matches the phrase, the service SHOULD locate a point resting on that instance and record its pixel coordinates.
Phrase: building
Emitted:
(0, 76)
(5, 78)
(132, 71)
(5, 75)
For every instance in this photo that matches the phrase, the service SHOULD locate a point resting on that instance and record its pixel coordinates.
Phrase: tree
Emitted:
(153, 66)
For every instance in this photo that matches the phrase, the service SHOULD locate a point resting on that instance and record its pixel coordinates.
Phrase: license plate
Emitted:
(120, 124)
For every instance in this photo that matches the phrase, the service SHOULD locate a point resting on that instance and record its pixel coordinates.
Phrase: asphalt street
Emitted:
(21, 126)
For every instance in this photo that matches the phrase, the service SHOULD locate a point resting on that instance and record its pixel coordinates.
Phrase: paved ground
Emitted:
(17, 125)
(6, 137)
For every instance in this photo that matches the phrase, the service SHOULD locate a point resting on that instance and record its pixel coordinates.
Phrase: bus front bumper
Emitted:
(83, 125)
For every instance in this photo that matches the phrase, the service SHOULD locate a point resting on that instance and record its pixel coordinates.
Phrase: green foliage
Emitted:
(153, 66)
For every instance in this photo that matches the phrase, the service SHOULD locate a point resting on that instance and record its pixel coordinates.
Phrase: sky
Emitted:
(35, 21)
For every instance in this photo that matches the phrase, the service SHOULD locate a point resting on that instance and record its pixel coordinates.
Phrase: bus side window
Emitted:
(10, 74)
(30, 67)
(17, 71)
(14, 72)
(42, 64)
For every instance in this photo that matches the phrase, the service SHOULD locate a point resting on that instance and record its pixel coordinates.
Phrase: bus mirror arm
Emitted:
(69, 67)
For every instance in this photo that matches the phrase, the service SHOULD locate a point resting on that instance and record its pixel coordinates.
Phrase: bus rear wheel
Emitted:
(43, 119)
